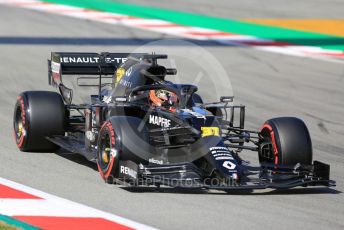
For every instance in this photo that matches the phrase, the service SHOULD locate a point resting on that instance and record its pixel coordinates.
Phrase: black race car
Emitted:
(143, 130)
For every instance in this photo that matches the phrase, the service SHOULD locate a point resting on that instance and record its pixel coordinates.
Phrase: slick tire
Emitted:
(290, 142)
(38, 114)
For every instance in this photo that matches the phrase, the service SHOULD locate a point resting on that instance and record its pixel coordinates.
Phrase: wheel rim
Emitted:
(104, 156)
(268, 134)
(107, 152)
(19, 124)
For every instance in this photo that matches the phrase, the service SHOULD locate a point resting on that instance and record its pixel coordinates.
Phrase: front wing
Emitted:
(188, 176)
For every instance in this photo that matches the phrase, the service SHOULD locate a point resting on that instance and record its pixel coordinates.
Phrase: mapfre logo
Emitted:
(160, 121)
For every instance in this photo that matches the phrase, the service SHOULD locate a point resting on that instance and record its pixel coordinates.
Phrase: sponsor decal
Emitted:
(79, 59)
(119, 73)
(218, 148)
(221, 153)
(91, 60)
(128, 171)
(224, 158)
(229, 165)
(155, 161)
(210, 131)
(55, 67)
(129, 71)
(126, 83)
(160, 121)
(220, 156)
(115, 60)
(55, 70)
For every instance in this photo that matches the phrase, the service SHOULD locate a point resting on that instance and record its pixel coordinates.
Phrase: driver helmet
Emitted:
(164, 99)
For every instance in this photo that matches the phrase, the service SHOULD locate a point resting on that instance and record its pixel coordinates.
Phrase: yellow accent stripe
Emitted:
(324, 26)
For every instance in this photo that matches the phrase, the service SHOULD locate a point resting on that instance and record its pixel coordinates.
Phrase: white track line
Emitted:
(54, 206)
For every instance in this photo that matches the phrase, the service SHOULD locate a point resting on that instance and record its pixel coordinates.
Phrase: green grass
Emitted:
(4, 226)
(9, 223)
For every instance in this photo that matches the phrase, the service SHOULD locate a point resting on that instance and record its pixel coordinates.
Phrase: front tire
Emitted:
(121, 138)
(108, 152)
(38, 114)
(289, 141)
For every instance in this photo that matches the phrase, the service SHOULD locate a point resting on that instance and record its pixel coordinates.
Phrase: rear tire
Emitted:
(38, 114)
(290, 142)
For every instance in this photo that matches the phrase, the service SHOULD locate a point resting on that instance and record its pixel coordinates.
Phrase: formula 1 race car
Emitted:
(142, 130)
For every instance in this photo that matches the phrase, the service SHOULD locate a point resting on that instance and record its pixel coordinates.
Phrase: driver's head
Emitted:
(164, 99)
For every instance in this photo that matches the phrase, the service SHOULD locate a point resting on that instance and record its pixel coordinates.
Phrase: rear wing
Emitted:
(71, 63)
(67, 63)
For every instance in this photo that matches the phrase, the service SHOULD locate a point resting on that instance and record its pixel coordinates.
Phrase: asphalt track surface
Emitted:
(270, 85)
